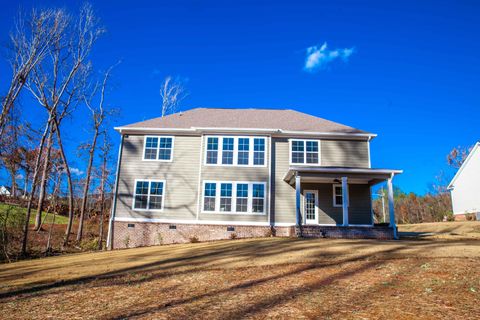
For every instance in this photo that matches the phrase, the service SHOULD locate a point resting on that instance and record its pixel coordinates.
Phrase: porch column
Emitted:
(391, 206)
(297, 201)
(345, 200)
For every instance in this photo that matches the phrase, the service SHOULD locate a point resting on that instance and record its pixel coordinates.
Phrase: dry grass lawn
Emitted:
(427, 278)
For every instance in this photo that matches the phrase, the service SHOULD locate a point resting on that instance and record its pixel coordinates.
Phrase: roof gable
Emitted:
(289, 120)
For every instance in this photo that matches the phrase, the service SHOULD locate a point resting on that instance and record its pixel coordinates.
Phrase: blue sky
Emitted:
(406, 70)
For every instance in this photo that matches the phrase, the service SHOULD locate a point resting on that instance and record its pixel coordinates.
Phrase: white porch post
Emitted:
(345, 200)
(391, 207)
(297, 201)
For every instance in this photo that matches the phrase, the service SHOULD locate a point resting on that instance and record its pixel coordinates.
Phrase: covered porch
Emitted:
(338, 199)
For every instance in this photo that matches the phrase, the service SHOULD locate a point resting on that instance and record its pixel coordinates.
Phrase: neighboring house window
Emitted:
(227, 151)
(258, 197)
(212, 150)
(226, 197)
(258, 151)
(305, 152)
(337, 195)
(235, 151)
(209, 198)
(158, 148)
(241, 197)
(148, 195)
(243, 150)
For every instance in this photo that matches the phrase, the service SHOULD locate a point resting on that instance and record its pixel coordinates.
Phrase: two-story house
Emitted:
(208, 174)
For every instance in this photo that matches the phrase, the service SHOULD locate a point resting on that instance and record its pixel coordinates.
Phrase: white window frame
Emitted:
(235, 151)
(148, 195)
(335, 198)
(158, 148)
(234, 198)
(319, 163)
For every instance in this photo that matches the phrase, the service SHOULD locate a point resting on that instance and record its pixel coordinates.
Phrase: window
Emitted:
(304, 152)
(148, 195)
(227, 151)
(337, 196)
(212, 150)
(243, 151)
(235, 151)
(242, 197)
(234, 197)
(258, 197)
(226, 197)
(209, 198)
(158, 148)
(258, 151)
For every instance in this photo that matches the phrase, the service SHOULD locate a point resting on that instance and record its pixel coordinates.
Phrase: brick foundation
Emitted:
(141, 234)
(383, 233)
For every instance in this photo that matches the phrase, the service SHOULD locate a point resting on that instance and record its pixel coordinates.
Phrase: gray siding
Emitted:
(181, 175)
(343, 153)
(237, 173)
(284, 201)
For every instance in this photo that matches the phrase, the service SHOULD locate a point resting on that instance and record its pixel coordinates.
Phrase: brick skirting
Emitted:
(140, 234)
(383, 233)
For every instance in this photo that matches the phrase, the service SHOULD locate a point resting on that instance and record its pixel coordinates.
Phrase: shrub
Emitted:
(159, 238)
(126, 241)
(469, 216)
(233, 236)
(194, 239)
(89, 244)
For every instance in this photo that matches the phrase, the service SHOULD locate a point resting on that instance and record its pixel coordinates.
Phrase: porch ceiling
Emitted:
(318, 174)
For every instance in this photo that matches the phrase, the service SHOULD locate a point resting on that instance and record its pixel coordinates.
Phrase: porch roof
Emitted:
(319, 174)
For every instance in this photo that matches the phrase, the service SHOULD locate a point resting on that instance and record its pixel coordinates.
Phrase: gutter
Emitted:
(114, 200)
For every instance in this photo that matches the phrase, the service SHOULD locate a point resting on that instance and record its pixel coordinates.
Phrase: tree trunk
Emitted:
(32, 191)
(25, 183)
(102, 202)
(43, 182)
(70, 185)
(87, 185)
(13, 190)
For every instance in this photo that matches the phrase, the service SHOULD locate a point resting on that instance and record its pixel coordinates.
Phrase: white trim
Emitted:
(158, 148)
(334, 203)
(148, 194)
(319, 163)
(308, 221)
(199, 187)
(470, 155)
(369, 159)
(251, 146)
(269, 153)
(234, 184)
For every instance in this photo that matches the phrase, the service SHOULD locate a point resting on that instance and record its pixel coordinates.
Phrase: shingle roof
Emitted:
(289, 120)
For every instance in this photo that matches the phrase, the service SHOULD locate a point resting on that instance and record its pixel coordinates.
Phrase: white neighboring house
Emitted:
(5, 191)
(465, 186)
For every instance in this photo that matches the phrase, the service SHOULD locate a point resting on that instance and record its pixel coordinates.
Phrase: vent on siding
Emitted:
(131, 225)
(172, 227)
(230, 229)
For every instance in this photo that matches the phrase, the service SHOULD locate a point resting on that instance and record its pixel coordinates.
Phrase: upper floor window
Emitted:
(240, 151)
(337, 195)
(158, 148)
(148, 195)
(305, 151)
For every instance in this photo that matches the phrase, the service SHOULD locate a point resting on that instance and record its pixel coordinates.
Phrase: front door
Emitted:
(310, 207)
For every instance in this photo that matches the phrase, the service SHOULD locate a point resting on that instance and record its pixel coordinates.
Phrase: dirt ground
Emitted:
(426, 278)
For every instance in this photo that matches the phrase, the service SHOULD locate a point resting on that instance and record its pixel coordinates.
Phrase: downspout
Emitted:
(115, 194)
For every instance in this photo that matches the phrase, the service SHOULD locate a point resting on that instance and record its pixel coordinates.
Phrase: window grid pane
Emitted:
(242, 197)
(227, 151)
(151, 146)
(165, 149)
(212, 150)
(226, 197)
(209, 199)
(243, 150)
(258, 198)
(310, 206)
(258, 151)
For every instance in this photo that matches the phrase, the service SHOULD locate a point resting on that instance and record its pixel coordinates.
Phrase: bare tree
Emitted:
(172, 93)
(457, 156)
(98, 116)
(104, 174)
(56, 84)
(30, 41)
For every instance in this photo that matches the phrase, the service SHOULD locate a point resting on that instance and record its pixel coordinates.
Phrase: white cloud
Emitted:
(19, 176)
(319, 57)
(76, 171)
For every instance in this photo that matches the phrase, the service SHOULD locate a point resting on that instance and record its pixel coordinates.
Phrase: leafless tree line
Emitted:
(50, 60)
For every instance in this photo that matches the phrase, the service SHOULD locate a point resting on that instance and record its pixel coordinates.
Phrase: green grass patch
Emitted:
(16, 213)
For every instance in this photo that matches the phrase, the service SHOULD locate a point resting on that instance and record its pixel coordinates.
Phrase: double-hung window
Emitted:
(304, 152)
(158, 148)
(234, 197)
(235, 151)
(337, 195)
(148, 195)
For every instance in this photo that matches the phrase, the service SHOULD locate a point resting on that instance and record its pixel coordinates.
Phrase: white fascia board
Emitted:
(470, 155)
(280, 132)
